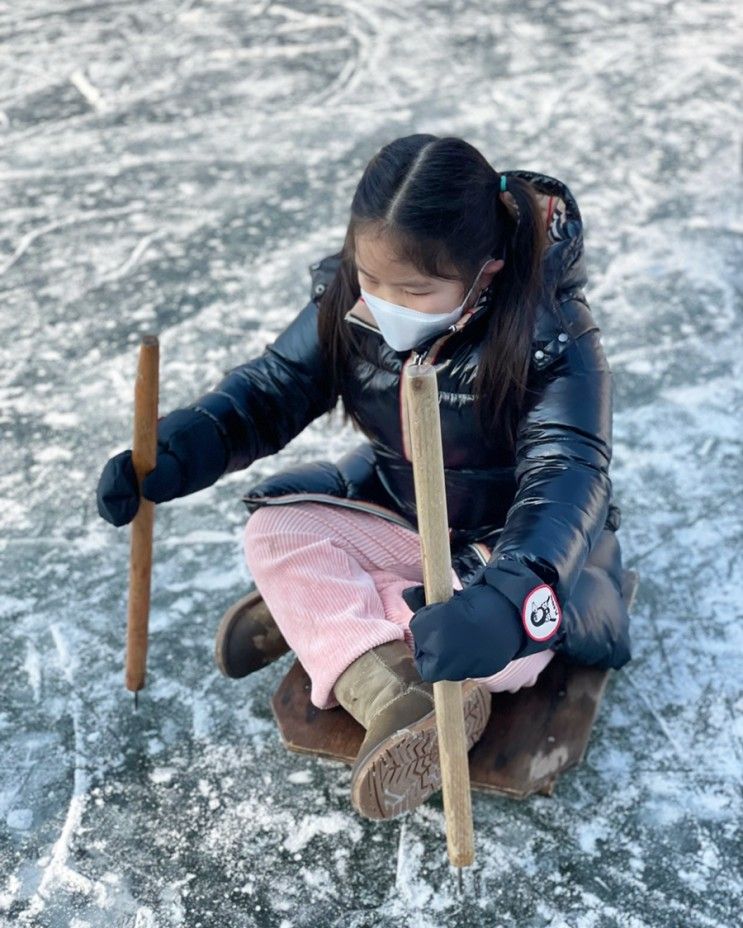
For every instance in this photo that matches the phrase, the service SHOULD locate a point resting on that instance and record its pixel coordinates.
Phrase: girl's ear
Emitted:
(489, 271)
(493, 267)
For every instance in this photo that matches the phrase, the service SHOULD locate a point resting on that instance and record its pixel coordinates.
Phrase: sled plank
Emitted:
(305, 728)
(539, 731)
(533, 735)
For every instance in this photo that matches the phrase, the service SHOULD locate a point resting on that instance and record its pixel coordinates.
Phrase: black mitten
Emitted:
(507, 613)
(191, 454)
(475, 633)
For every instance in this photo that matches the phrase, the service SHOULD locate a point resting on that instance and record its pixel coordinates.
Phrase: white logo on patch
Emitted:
(541, 614)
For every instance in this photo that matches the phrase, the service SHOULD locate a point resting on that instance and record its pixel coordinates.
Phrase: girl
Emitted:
(449, 262)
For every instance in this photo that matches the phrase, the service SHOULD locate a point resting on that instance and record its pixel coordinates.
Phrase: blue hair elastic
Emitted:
(503, 182)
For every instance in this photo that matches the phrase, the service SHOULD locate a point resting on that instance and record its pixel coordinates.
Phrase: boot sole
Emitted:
(404, 770)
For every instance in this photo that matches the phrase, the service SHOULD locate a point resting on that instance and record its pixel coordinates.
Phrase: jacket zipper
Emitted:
(417, 357)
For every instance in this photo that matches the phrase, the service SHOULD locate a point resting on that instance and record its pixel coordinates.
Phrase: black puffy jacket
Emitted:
(550, 508)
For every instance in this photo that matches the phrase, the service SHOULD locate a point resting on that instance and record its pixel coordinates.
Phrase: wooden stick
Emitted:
(144, 454)
(430, 495)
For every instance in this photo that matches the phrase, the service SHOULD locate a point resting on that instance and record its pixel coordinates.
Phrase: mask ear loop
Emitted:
(484, 289)
(508, 200)
(468, 312)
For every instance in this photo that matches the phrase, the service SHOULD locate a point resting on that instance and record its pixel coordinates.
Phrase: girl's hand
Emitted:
(480, 629)
(191, 455)
(475, 633)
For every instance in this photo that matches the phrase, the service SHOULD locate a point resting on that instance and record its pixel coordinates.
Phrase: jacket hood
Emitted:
(564, 260)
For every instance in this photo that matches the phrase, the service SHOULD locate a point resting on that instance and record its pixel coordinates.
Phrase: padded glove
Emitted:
(191, 455)
(481, 629)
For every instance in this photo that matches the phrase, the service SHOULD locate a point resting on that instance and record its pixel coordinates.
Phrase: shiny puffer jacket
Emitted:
(549, 507)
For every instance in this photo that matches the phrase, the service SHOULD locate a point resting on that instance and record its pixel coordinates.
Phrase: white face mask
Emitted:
(403, 328)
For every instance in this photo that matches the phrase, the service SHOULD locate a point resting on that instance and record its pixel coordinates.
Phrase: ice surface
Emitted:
(174, 167)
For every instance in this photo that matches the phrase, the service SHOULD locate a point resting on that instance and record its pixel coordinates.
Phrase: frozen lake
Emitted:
(175, 167)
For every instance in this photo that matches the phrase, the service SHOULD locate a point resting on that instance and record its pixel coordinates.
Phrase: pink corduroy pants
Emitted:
(333, 578)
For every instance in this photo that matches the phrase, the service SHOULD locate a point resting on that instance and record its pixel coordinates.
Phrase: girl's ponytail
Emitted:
(500, 387)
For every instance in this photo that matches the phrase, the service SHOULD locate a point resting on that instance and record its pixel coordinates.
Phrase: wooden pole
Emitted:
(144, 454)
(421, 390)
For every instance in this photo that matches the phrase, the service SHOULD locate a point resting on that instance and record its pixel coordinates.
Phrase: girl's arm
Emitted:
(563, 452)
(262, 404)
(513, 606)
(254, 411)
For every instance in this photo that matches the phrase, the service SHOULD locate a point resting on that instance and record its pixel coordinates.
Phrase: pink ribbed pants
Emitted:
(333, 578)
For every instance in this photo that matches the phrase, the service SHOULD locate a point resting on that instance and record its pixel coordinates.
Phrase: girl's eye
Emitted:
(410, 292)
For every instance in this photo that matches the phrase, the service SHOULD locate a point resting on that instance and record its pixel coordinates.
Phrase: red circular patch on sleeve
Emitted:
(541, 614)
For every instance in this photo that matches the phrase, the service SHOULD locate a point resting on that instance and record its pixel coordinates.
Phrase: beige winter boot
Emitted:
(397, 766)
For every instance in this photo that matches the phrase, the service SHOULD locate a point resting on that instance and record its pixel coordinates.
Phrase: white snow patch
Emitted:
(11, 892)
(60, 419)
(588, 833)
(50, 453)
(32, 666)
(145, 918)
(163, 775)
(300, 776)
(333, 823)
(9, 604)
(20, 819)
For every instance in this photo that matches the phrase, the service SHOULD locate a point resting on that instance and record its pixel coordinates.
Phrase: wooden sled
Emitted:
(532, 737)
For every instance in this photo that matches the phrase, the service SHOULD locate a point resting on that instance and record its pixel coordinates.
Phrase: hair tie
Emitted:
(507, 199)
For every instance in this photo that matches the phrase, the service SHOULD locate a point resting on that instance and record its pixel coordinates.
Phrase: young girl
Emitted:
(449, 262)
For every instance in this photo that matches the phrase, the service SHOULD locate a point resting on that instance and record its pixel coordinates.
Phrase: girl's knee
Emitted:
(267, 530)
(258, 521)
(262, 524)
(268, 520)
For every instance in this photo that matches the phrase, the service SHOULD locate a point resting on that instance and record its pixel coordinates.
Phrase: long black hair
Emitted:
(437, 200)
